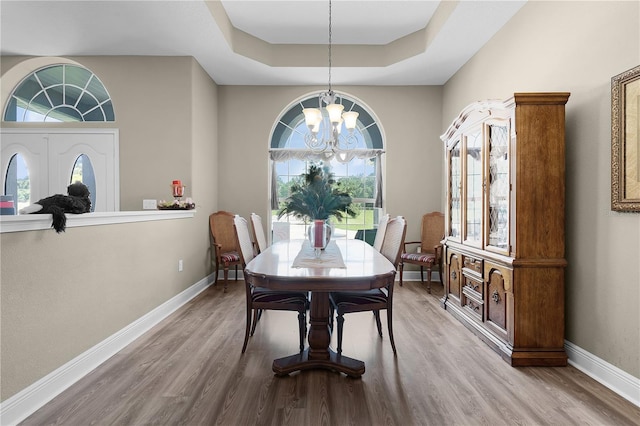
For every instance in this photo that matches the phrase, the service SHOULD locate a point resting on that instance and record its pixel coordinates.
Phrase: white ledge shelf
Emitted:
(34, 222)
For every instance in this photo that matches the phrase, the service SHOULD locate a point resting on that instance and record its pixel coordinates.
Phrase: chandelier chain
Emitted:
(330, 91)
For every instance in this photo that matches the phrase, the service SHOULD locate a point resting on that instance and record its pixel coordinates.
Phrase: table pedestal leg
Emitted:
(319, 355)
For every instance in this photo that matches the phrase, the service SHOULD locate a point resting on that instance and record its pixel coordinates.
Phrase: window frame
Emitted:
(291, 119)
(62, 89)
(52, 173)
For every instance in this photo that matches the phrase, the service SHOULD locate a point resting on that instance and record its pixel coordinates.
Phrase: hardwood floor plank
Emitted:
(188, 370)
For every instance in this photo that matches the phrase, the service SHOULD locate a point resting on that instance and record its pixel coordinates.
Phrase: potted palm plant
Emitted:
(317, 198)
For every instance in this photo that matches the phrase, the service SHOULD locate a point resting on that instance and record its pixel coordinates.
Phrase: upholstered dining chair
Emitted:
(382, 228)
(259, 299)
(375, 299)
(224, 249)
(429, 254)
(258, 233)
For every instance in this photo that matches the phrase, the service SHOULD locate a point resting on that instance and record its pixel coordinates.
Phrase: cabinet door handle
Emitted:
(495, 296)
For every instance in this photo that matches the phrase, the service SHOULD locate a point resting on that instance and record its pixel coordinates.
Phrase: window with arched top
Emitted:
(55, 158)
(358, 168)
(60, 93)
(36, 162)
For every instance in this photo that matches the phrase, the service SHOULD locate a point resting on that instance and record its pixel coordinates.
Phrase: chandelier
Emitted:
(324, 132)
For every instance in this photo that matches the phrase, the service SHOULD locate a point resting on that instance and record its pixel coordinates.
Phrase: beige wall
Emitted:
(409, 116)
(175, 123)
(576, 47)
(63, 293)
(152, 103)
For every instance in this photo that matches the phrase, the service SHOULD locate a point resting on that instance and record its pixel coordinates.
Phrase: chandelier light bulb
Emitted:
(335, 112)
(313, 118)
(350, 118)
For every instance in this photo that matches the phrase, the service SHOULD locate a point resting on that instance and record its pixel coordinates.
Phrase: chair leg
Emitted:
(400, 269)
(246, 331)
(390, 325)
(376, 314)
(236, 273)
(306, 330)
(226, 277)
(302, 325)
(331, 313)
(215, 276)
(340, 321)
(257, 313)
(429, 282)
(421, 273)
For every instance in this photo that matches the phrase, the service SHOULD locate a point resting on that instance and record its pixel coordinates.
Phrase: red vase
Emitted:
(319, 234)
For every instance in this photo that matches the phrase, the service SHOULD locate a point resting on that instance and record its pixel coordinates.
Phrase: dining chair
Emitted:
(375, 299)
(382, 228)
(428, 255)
(258, 233)
(258, 298)
(224, 248)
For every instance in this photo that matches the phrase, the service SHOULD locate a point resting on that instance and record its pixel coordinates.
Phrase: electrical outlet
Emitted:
(180, 265)
(149, 204)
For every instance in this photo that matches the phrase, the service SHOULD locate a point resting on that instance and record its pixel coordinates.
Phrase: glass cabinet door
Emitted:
(455, 192)
(473, 188)
(498, 186)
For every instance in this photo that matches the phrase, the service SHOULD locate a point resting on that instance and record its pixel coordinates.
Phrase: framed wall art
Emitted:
(625, 141)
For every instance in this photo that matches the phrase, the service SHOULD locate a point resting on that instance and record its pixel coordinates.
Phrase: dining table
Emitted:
(344, 265)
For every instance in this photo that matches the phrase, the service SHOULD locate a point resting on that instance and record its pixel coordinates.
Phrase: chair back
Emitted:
(394, 240)
(243, 239)
(382, 228)
(281, 231)
(222, 232)
(432, 231)
(258, 232)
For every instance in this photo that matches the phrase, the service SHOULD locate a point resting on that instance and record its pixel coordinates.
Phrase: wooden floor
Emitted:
(189, 370)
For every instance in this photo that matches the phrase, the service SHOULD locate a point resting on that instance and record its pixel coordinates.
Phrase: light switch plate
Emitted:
(149, 204)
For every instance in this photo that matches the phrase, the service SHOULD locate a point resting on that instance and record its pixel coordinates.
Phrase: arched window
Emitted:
(60, 93)
(37, 162)
(359, 169)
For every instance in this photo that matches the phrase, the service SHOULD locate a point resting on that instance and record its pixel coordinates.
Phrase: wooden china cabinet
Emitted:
(504, 258)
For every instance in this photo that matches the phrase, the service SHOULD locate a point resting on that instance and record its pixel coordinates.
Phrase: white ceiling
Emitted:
(266, 42)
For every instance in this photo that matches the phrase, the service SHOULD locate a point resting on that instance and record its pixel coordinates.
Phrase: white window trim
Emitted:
(52, 177)
(34, 222)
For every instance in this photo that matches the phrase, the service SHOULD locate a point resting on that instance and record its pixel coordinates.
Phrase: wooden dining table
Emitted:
(362, 268)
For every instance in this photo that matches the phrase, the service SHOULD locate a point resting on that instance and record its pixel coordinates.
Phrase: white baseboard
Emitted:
(415, 276)
(622, 383)
(30, 399)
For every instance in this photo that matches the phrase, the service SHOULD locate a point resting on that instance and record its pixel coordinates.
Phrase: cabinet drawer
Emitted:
(472, 299)
(472, 264)
(474, 308)
(474, 288)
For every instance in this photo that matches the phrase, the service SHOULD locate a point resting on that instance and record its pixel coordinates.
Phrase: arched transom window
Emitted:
(60, 93)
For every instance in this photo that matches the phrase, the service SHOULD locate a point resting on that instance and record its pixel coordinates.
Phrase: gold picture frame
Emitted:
(625, 141)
